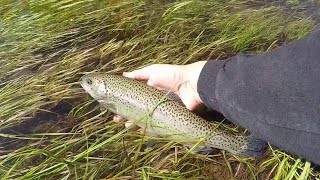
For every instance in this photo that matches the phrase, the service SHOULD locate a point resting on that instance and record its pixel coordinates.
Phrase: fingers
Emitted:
(160, 76)
(136, 75)
(141, 74)
(118, 118)
(157, 85)
(129, 124)
(144, 74)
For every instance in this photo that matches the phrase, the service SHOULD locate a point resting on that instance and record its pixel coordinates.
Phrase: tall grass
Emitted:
(46, 46)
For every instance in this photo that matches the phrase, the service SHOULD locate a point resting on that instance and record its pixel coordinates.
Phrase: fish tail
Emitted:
(255, 147)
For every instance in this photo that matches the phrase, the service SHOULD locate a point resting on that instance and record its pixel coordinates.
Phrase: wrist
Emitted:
(192, 74)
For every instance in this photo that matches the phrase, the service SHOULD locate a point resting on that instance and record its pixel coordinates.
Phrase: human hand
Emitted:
(180, 79)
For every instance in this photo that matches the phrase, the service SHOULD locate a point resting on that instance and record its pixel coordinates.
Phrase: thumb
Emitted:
(187, 98)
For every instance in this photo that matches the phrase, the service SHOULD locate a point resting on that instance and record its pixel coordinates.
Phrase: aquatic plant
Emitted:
(51, 129)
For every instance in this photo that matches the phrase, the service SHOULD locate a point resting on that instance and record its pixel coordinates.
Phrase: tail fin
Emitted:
(255, 147)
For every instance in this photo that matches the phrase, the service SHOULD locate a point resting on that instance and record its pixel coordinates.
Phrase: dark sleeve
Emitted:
(275, 95)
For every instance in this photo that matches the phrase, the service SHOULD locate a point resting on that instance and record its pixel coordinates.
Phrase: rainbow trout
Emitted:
(135, 100)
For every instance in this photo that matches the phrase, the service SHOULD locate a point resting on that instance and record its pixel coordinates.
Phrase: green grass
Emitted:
(46, 46)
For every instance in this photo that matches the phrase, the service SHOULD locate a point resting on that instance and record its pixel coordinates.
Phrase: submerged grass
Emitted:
(46, 46)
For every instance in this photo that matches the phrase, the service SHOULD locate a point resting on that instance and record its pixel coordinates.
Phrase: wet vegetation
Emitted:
(51, 129)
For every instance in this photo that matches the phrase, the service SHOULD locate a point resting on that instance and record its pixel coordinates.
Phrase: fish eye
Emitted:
(89, 81)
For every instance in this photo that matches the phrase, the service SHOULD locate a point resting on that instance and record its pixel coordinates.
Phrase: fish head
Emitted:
(95, 85)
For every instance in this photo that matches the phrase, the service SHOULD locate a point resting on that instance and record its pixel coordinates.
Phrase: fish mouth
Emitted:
(80, 81)
(83, 84)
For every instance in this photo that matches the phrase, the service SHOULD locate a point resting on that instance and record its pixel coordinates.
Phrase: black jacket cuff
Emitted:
(207, 82)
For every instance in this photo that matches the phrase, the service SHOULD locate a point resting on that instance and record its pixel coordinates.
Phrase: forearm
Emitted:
(274, 95)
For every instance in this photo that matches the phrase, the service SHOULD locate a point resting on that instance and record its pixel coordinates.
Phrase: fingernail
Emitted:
(126, 74)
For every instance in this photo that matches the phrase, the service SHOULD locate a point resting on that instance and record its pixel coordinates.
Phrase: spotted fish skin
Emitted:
(161, 116)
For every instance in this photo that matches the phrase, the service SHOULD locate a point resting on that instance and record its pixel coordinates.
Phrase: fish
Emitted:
(161, 116)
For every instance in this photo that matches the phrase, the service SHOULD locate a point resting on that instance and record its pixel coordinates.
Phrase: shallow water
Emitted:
(44, 121)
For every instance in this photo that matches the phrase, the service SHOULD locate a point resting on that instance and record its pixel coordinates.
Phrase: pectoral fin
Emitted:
(205, 150)
(109, 105)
